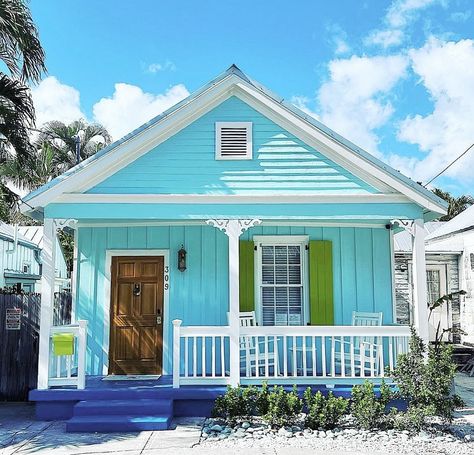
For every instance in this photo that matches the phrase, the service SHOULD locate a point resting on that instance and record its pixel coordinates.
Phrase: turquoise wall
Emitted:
(199, 296)
(186, 163)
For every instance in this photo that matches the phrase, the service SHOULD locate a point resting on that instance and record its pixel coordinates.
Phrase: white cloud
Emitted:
(129, 107)
(56, 101)
(157, 67)
(385, 38)
(338, 39)
(398, 17)
(301, 102)
(446, 69)
(354, 100)
(461, 16)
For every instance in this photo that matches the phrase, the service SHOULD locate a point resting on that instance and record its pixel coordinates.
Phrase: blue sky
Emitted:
(395, 76)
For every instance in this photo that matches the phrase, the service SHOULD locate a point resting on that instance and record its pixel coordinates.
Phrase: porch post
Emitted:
(47, 299)
(419, 280)
(233, 230)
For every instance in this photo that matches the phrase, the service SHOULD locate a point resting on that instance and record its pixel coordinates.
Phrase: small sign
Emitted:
(13, 319)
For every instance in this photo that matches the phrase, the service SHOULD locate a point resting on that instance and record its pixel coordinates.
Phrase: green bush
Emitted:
(324, 412)
(425, 377)
(367, 409)
(413, 419)
(283, 407)
(235, 403)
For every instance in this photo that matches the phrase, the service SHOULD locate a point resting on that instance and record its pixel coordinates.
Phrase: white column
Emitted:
(420, 304)
(177, 352)
(47, 300)
(233, 230)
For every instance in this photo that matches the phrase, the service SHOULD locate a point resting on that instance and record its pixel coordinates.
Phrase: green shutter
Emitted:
(246, 274)
(321, 283)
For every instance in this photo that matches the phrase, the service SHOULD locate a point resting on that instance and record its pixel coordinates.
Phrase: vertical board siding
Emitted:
(199, 296)
(186, 164)
(362, 271)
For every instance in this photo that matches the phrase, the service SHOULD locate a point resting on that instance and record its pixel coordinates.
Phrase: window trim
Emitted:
(300, 240)
(247, 126)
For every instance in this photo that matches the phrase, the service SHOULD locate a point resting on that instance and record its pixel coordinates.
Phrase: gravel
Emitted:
(458, 439)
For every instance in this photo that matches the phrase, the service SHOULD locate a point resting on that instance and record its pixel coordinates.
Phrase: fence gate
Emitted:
(19, 339)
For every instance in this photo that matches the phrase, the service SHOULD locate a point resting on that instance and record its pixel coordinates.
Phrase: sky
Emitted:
(396, 77)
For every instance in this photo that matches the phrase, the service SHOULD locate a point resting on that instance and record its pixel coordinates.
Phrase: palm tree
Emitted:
(62, 139)
(23, 56)
(456, 204)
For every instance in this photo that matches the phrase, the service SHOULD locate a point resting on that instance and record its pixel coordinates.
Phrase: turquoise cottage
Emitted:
(232, 239)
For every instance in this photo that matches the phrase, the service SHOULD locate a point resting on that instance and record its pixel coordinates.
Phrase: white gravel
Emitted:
(460, 441)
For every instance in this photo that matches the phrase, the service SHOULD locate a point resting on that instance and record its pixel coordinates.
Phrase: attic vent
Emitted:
(234, 140)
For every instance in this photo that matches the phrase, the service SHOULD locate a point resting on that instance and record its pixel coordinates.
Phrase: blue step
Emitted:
(137, 407)
(117, 423)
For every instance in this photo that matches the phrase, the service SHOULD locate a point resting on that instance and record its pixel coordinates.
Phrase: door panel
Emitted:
(136, 313)
(436, 288)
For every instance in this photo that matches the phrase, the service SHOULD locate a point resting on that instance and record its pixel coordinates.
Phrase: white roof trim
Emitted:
(139, 144)
(233, 198)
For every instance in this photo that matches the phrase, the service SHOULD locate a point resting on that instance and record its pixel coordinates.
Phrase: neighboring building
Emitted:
(231, 202)
(21, 259)
(460, 232)
(442, 273)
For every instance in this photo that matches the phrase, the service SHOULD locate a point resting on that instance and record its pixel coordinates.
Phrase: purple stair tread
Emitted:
(117, 423)
(141, 406)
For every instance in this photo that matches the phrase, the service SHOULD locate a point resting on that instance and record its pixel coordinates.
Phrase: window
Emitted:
(280, 281)
(433, 283)
(471, 258)
(26, 268)
(234, 140)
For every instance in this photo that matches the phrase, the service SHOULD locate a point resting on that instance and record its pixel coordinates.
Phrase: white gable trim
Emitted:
(232, 199)
(144, 141)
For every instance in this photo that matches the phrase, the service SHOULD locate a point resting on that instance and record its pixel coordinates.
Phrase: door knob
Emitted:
(136, 289)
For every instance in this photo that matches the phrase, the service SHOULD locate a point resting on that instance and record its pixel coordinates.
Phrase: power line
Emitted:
(449, 165)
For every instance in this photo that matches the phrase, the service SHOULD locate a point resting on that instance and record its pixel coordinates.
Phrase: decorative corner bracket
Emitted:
(62, 223)
(408, 225)
(234, 228)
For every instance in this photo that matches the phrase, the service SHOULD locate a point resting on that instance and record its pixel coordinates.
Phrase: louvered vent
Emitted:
(233, 140)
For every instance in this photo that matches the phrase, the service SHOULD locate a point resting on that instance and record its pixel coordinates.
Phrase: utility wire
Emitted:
(449, 165)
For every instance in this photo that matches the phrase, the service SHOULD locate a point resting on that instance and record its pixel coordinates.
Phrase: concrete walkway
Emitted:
(21, 434)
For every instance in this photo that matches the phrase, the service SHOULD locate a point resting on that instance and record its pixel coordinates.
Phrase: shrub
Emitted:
(413, 419)
(324, 412)
(367, 409)
(234, 404)
(424, 376)
(283, 407)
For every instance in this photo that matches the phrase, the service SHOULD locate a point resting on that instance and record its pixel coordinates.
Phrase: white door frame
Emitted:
(443, 289)
(109, 254)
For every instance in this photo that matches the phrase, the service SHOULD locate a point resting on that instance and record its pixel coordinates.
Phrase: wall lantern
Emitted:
(182, 259)
(403, 267)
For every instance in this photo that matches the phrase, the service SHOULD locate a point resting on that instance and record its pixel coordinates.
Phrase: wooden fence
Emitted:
(19, 339)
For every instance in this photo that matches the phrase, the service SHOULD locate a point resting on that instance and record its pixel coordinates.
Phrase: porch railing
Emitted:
(287, 354)
(69, 369)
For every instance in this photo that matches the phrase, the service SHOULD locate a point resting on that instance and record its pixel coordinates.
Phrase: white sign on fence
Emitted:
(13, 319)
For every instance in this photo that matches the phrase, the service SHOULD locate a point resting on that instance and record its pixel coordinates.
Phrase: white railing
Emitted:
(69, 369)
(200, 354)
(287, 354)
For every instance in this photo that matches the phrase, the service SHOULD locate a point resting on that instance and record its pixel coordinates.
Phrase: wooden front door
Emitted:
(136, 338)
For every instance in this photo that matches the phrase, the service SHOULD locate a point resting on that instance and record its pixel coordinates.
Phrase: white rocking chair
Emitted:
(366, 349)
(250, 358)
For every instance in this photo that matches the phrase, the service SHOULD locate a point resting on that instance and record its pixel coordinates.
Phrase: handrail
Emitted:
(321, 330)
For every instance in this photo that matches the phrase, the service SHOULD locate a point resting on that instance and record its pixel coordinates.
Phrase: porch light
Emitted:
(182, 259)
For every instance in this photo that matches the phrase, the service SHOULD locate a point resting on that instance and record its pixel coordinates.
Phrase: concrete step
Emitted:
(117, 423)
(137, 407)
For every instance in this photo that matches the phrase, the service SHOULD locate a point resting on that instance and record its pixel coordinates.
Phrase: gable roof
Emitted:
(460, 223)
(7, 231)
(232, 82)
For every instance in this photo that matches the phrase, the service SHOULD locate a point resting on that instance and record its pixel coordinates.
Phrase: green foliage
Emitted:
(283, 407)
(232, 405)
(413, 419)
(367, 409)
(324, 412)
(456, 204)
(424, 376)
